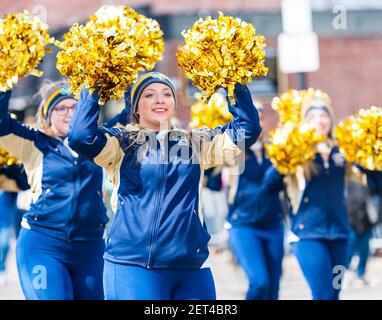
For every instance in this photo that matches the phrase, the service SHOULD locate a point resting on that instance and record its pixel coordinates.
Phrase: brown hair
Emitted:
(134, 116)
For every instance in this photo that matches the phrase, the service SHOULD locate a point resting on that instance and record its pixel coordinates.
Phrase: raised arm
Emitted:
(245, 125)
(273, 181)
(15, 137)
(86, 138)
(122, 118)
(226, 142)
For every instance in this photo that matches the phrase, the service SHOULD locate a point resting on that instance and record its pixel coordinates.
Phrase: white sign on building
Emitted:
(298, 49)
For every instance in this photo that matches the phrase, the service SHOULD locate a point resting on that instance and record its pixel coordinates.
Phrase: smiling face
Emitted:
(61, 116)
(156, 105)
(321, 120)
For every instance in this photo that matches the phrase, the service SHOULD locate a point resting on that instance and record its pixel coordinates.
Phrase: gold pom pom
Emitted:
(360, 138)
(23, 41)
(211, 114)
(6, 159)
(221, 52)
(288, 106)
(108, 51)
(293, 104)
(292, 145)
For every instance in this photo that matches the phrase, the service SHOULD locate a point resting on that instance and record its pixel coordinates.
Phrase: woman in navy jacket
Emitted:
(319, 219)
(157, 245)
(255, 215)
(59, 249)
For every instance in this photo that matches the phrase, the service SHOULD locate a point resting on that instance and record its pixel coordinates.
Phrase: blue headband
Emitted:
(318, 104)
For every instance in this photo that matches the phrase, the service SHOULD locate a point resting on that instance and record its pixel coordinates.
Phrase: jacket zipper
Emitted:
(328, 173)
(44, 194)
(153, 228)
(75, 180)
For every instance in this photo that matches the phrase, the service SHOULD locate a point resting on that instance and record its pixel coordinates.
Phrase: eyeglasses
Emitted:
(63, 110)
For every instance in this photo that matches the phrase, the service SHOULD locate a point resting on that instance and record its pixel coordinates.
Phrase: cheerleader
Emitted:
(319, 220)
(59, 248)
(255, 216)
(157, 244)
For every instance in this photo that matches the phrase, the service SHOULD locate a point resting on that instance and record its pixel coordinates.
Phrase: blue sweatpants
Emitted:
(260, 253)
(5, 236)
(53, 269)
(359, 244)
(322, 263)
(128, 282)
(7, 211)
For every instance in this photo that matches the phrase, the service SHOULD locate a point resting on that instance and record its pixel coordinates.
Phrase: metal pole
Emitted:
(302, 80)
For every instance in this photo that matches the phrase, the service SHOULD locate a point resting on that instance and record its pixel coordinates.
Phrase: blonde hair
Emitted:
(311, 169)
(47, 87)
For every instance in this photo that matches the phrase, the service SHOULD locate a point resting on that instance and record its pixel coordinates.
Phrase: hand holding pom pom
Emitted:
(108, 51)
(221, 52)
(292, 145)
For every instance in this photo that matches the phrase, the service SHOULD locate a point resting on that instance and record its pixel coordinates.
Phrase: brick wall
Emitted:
(350, 72)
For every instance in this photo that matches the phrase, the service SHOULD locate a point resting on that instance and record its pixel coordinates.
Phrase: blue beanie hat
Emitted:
(57, 95)
(319, 104)
(143, 82)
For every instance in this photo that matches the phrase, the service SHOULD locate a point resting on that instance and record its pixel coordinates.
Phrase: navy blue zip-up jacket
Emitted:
(318, 205)
(254, 194)
(66, 189)
(374, 182)
(157, 181)
(213, 179)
